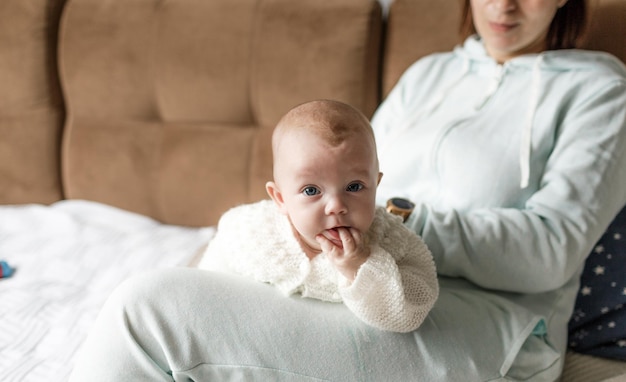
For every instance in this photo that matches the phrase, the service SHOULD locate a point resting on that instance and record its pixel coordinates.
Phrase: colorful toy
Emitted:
(5, 269)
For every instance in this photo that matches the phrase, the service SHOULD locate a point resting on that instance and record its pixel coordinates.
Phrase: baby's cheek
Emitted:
(365, 224)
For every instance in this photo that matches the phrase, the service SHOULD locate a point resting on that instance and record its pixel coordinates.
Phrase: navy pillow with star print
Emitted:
(598, 325)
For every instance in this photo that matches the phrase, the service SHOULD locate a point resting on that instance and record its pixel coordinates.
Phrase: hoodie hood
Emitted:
(474, 51)
(475, 59)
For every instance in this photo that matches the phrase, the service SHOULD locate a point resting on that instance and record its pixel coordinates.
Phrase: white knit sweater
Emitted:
(393, 290)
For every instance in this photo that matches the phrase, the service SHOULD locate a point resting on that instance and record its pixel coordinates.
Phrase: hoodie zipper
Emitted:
(495, 84)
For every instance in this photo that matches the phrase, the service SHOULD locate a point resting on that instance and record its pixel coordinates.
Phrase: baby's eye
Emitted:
(310, 191)
(354, 187)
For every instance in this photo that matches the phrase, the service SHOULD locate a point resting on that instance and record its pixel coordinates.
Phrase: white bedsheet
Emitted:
(68, 258)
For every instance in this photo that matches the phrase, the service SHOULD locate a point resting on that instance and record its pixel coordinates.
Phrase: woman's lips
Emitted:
(501, 27)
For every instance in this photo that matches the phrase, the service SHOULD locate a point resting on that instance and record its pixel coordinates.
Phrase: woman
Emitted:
(508, 146)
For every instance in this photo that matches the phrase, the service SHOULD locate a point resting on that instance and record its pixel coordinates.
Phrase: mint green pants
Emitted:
(192, 325)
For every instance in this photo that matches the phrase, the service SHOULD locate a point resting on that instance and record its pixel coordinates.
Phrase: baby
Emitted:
(322, 235)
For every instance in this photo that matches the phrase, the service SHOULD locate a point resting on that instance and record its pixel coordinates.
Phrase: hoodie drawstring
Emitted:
(495, 84)
(526, 141)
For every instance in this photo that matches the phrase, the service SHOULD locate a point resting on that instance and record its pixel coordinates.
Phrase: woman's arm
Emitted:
(542, 245)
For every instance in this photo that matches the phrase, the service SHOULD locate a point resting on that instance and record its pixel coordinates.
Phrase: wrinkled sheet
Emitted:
(68, 257)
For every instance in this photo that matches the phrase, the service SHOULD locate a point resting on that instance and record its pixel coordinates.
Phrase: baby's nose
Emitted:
(335, 206)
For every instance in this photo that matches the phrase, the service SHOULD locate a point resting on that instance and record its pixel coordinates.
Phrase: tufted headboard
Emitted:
(171, 104)
(166, 107)
(31, 103)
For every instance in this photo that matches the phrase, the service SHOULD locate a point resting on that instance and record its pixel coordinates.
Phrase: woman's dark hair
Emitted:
(565, 32)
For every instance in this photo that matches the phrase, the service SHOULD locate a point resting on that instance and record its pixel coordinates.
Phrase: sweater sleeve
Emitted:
(397, 286)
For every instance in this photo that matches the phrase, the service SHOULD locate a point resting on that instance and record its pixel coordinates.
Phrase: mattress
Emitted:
(68, 257)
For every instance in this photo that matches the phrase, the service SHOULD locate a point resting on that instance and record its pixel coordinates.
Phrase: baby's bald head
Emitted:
(332, 121)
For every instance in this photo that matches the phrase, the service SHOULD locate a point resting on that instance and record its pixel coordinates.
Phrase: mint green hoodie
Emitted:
(516, 169)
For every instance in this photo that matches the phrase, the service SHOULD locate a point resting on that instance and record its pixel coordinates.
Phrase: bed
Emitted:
(68, 257)
(127, 127)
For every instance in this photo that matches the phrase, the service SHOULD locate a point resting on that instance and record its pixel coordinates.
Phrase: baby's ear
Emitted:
(380, 177)
(276, 195)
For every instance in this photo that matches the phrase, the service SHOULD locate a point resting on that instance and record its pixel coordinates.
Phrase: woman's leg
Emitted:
(189, 324)
(193, 324)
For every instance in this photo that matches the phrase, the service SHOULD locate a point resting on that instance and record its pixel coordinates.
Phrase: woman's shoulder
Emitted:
(437, 60)
(430, 72)
(596, 62)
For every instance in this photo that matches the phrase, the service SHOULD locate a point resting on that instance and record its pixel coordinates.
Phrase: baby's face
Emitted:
(324, 187)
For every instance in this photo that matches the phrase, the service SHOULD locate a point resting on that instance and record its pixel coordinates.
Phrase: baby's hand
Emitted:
(348, 254)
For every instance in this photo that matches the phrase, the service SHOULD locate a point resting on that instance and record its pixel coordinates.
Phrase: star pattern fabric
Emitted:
(598, 325)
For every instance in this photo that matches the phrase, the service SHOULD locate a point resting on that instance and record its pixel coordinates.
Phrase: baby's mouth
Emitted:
(332, 234)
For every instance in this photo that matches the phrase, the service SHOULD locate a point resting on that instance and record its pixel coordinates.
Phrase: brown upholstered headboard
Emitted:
(170, 105)
(607, 27)
(416, 28)
(166, 107)
(31, 105)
